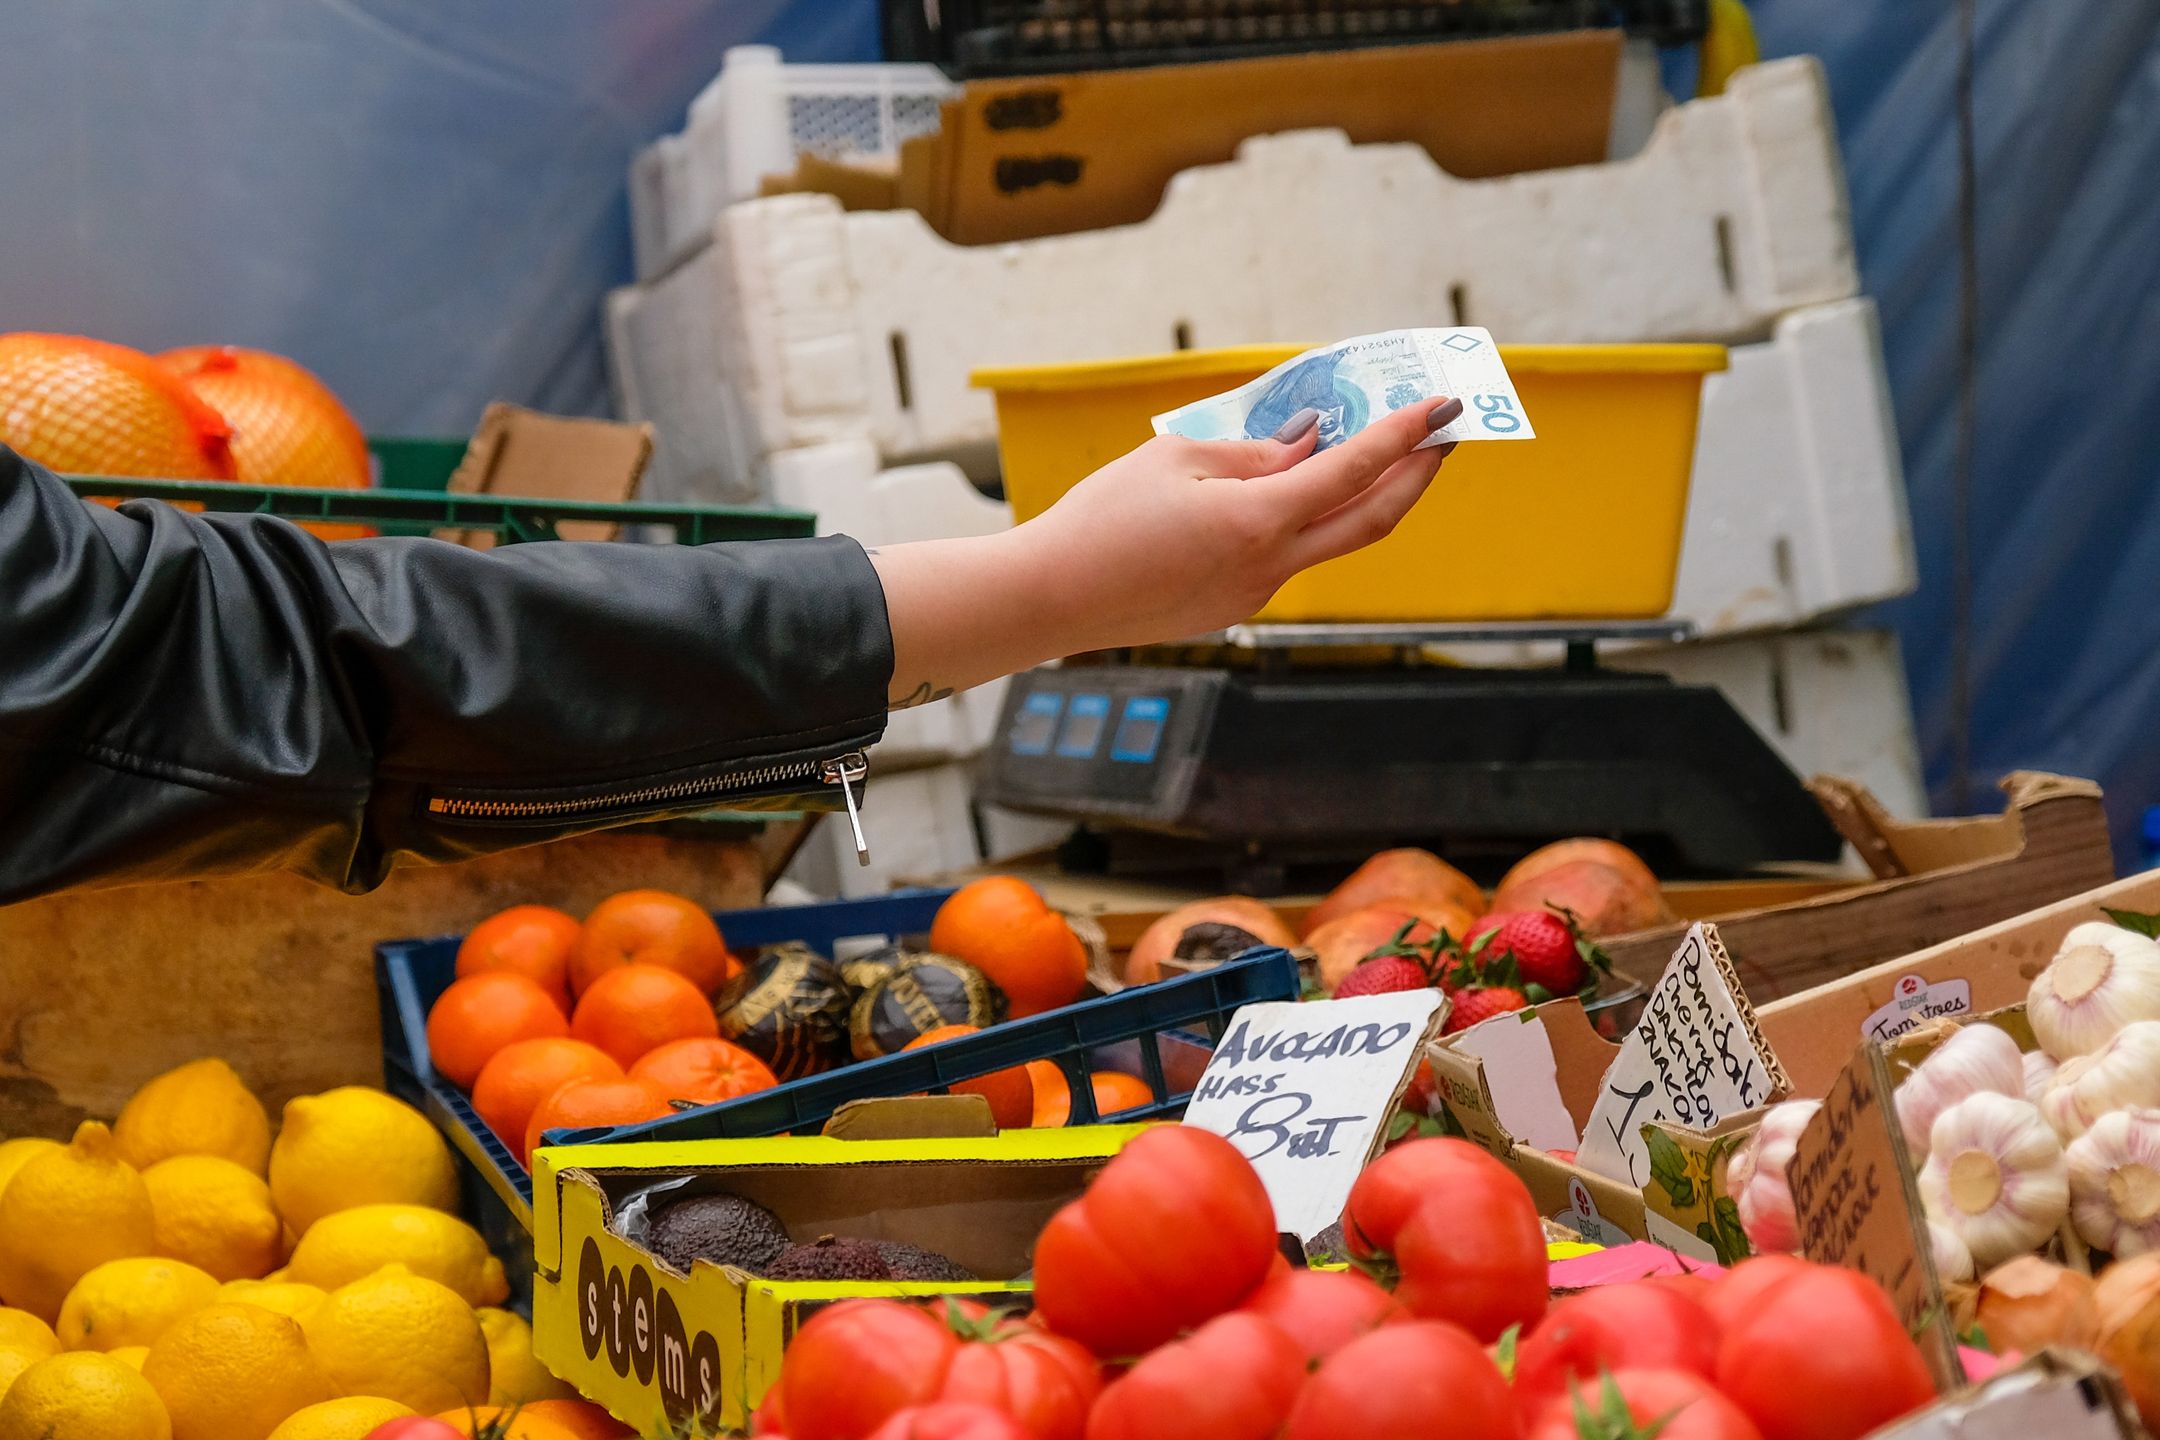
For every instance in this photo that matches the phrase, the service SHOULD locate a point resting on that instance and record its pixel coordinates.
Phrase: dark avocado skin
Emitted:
(912, 1262)
(829, 1259)
(720, 1229)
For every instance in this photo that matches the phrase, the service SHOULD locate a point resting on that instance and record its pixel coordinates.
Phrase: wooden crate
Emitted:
(101, 990)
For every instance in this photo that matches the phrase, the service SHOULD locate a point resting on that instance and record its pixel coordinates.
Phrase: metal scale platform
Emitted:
(1281, 757)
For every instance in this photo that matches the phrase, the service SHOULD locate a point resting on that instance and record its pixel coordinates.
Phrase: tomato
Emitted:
(1401, 1182)
(1046, 1383)
(1324, 1310)
(1232, 1379)
(1689, 1284)
(949, 1421)
(853, 1366)
(1175, 1230)
(1474, 1256)
(1414, 1381)
(1682, 1407)
(1612, 1327)
(1824, 1359)
(770, 1418)
(415, 1427)
(1739, 1292)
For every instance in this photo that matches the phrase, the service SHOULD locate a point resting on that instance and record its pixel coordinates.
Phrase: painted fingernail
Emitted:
(1443, 414)
(1446, 448)
(1294, 428)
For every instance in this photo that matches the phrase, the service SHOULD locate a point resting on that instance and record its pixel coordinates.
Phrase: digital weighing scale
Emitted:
(1260, 768)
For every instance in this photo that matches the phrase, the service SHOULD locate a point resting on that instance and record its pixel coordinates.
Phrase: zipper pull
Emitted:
(845, 772)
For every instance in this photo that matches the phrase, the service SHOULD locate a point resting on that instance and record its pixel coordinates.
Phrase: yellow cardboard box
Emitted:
(667, 1351)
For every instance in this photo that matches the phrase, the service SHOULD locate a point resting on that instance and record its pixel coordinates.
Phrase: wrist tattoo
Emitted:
(922, 694)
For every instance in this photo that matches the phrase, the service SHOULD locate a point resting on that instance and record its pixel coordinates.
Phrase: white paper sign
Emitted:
(1303, 1090)
(1693, 1058)
(1524, 1079)
(1914, 1004)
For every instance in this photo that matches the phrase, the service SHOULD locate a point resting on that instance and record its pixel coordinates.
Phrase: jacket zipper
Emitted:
(846, 771)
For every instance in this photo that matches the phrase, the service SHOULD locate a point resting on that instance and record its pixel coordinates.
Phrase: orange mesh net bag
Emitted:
(288, 428)
(86, 407)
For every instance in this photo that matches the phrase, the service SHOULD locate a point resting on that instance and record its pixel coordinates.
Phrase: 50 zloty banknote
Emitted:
(1354, 382)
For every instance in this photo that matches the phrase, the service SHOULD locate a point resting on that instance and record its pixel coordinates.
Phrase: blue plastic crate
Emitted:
(1136, 1031)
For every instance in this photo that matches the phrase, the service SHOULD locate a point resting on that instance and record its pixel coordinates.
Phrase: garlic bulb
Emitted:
(1974, 1058)
(2102, 978)
(2039, 1070)
(1953, 1262)
(1995, 1176)
(2123, 1074)
(2115, 1183)
(1758, 1182)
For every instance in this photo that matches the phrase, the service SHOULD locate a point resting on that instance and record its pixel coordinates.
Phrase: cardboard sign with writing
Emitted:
(1858, 1206)
(1303, 1089)
(1694, 1058)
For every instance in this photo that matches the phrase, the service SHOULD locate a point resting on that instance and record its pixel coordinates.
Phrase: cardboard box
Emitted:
(531, 456)
(663, 1350)
(2056, 1395)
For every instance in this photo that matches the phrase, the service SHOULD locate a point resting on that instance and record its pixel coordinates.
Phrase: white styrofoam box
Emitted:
(1797, 505)
(754, 119)
(1007, 835)
(832, 326)
(1832, 702)
(918, 822)
(844, 486)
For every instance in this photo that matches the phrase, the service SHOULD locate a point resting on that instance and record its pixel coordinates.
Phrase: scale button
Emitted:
(1036, 723)
(1139, 733)
(1086, 717)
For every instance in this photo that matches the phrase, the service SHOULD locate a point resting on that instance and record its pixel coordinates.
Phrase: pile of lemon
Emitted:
(182, 1276)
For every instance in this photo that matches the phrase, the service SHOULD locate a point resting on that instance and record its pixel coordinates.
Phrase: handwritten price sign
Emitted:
(1694, 1058)
(1304, 1090)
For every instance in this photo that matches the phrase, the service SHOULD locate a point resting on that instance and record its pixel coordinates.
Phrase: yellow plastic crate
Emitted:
(1582, 523)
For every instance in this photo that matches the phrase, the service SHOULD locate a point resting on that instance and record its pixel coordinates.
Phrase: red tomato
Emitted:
(1825, 1359)
(1680, 1405)
(415, 1427)
(1474, 1256)
(1691, 1285)
(1612, 1327)
(949, 1421)
(1232, 1379)
(1405, 1382)
(770, 1418)
(1739, 1293)
(1395, 1186)
(1324, 1310)
(855, 1365)
(1046, 1383)
(1175, 1230)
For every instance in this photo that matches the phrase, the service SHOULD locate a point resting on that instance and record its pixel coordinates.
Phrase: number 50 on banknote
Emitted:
(1354, 382)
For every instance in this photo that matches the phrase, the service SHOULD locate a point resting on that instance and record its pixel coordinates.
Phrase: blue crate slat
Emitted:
(1129, 1031)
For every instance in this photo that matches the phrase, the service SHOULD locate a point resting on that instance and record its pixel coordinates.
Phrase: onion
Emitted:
(2028, 1304)
(2126, 1287)
(2128, 1297)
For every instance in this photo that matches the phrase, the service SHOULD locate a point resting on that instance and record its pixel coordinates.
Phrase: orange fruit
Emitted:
(521, 1075)
(86, 407)
(480, 1014)
(514, 1422)
(288, 427)
(707, 1071)
(1010, 1092)
(637, 1008)
(535, 941)
(652, 927)
(1002, 927)
(581, 1418)
(1114, 1091)
(595, 1102)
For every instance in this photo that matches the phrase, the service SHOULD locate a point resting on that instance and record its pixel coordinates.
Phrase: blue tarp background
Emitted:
(424, 202)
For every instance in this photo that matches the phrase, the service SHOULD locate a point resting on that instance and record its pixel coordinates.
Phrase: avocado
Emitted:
(829, 1258)
(720, 1228)
(912, 1262)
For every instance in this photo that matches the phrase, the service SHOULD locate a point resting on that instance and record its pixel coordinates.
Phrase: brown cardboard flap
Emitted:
(523, 453)
(2055, 1395)
(914, 1117)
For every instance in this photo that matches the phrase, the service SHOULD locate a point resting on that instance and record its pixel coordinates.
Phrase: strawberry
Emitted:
(1547, 946)
(1482, 1002)
(1383, 976)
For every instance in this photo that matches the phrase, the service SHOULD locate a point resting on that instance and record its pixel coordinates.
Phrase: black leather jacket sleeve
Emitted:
(190, 695)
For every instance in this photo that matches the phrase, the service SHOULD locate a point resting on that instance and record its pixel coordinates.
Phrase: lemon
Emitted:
(65, 1213)
(514, 1376)
(131, 1356)
(352, 1418)
(233, 1372)
(404, 1337)
(356, 1146)
(282, 1297)
(341, 1248)
(82, 1397)
(20, 1330)
(14, 1154)
(131, 1302)
(199, 1109)
(215, 1215)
